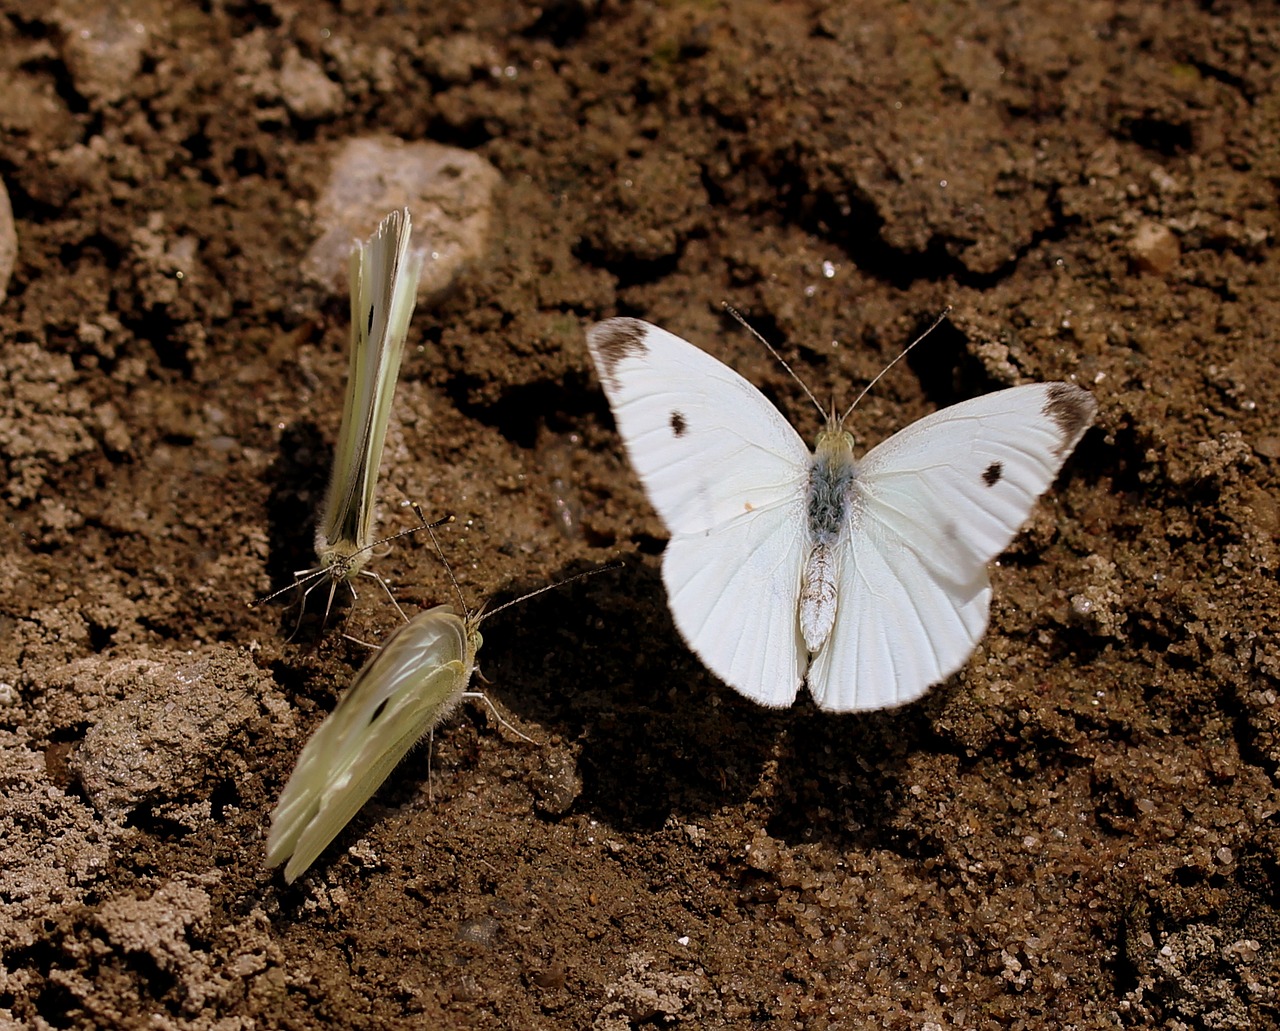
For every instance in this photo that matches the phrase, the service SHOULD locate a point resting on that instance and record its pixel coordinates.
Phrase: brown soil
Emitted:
(1077, 831)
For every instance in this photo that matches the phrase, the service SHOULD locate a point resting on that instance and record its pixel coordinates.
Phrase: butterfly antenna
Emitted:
(902, 354)
(552, 587)
(301, 577)
(751, 329)
(447, 568)
(422, 525)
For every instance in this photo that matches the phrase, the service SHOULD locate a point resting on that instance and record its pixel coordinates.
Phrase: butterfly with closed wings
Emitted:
(408, 687)
(383, 273)
(865, 577)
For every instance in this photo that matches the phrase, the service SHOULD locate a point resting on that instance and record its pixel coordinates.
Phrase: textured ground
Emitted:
(1077, 831)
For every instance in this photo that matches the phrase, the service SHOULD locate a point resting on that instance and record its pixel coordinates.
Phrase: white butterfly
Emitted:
(402, 693)
(867, 577)
(408, 687)
(384, 285)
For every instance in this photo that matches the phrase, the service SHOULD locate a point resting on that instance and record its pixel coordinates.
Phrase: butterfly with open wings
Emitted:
(865, 577)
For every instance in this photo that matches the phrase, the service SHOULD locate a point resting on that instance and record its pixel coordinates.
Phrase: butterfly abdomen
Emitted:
(831, 480)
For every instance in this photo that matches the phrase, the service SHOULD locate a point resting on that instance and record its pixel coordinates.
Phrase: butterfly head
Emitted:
(834, 440)
(341, 559)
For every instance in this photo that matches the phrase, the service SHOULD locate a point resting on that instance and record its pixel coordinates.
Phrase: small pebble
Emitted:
(1154, 248)
(102, 48)
(308, 93)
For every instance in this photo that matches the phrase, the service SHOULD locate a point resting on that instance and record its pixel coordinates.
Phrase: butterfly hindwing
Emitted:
(733, 593)
(900, 626)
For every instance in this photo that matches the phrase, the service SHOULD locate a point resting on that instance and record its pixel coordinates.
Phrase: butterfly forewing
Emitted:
(707, 445)
(384, 281)
(957, 485)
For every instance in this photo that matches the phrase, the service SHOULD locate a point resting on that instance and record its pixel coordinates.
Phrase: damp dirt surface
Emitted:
(1078, 830)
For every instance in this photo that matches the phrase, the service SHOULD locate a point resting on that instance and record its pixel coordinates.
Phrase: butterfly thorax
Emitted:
(831, 479)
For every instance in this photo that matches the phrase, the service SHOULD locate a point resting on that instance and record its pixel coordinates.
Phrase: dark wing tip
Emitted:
(1072, 410)
(614, 340)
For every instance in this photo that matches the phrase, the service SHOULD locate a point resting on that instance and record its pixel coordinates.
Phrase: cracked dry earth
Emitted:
(1078, 830)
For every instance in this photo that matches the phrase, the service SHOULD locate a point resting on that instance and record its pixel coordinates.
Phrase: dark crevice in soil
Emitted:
(1151, 132)
(522, 413)
(628, 270)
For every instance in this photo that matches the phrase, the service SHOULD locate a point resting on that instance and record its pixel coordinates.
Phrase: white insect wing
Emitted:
(408, 687)
(866, 577)
(384, 276)
(384, 282)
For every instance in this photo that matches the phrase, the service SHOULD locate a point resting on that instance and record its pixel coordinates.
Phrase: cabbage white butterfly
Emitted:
(384, 285)
(408, 687)
(867, 577)
(402, 693)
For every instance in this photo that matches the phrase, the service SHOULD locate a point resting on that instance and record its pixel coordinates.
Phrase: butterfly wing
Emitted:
(726, 472)
(932, 506)
(707, 445)
(733, 592)
(384, 282)
(409, 686)
(900, 627)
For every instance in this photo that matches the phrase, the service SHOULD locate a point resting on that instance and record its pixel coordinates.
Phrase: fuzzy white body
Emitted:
(829, 495)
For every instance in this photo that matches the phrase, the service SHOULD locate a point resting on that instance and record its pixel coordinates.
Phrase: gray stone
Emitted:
(102, 46)
(307, 91)
(449, 194)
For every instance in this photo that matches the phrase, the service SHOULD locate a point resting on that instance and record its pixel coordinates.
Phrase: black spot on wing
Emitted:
(369, 330)
(373, 718)
(613, 341)
(1072, 410)
(678, 424)
(991, 475)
